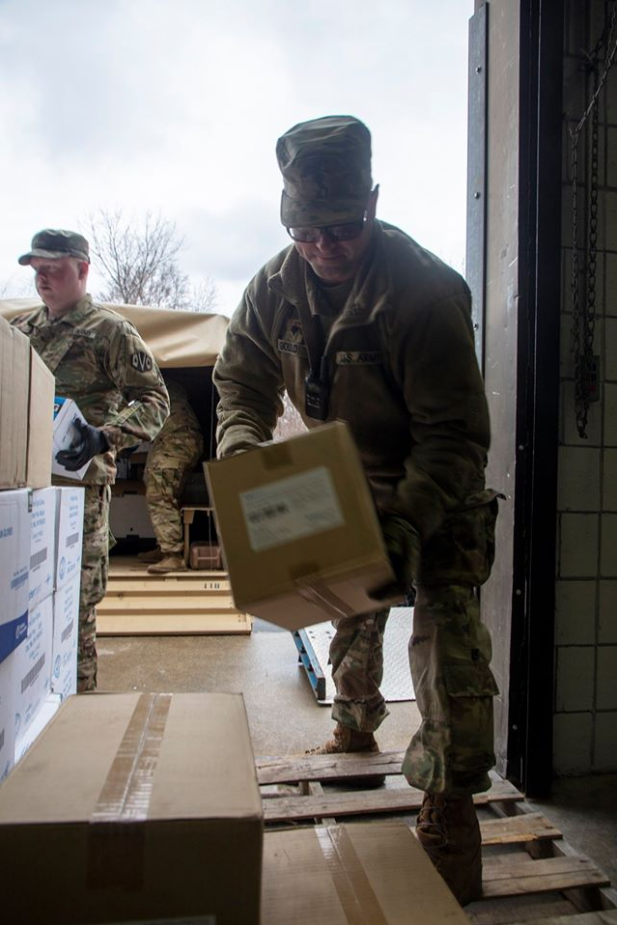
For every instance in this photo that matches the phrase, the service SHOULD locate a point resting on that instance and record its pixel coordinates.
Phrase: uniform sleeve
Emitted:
(132, 368)
(436, 366)
(248, 379)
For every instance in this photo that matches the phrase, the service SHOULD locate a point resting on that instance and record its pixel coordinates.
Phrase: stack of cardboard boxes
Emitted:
(41, 531)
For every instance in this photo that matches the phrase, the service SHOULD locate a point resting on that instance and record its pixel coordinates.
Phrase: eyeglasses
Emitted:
(347, 232)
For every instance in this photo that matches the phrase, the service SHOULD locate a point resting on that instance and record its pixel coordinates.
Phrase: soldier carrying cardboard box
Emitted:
(358, 322)
(100, 361)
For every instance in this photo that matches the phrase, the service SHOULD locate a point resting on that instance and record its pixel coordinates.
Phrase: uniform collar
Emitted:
(72, 318)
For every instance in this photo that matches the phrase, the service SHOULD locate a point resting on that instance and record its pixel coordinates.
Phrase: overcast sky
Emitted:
(174, 106)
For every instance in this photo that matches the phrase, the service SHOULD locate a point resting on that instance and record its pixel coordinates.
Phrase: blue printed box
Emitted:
(14, 568)
(69, 533)
(42, 545)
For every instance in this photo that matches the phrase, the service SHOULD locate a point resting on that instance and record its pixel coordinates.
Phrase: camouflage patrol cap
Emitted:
(55, 243)
(326, 167)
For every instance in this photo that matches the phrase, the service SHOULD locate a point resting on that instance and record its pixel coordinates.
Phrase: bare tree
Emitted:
(203, 297)
(139, 263)
(18, 287)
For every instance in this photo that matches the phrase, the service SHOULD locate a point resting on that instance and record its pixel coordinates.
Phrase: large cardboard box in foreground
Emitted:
(299, 529)
(363, 872)
(134, 807)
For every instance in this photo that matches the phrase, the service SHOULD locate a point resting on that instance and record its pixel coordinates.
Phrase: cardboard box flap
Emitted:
(364, 872)
(128, 757)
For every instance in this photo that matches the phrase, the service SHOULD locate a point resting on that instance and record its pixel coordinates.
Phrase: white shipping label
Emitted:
(298, 506)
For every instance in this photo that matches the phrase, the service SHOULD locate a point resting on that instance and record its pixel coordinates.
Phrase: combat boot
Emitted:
(448, 831)
(170, 563)
(151, 555)
(346, 740)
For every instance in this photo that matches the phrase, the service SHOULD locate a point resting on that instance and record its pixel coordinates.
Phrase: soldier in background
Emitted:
(100, 361)
(358, 322)
(174, 453)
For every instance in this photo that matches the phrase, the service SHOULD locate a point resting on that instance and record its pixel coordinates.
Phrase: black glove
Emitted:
(403, 546)
(90, 442)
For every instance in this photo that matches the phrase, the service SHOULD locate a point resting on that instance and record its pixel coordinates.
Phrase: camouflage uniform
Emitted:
(100, 361)
(404, 376)
(174, 452)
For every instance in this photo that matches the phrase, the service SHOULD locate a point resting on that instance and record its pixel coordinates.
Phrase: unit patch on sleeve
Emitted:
(141, 361)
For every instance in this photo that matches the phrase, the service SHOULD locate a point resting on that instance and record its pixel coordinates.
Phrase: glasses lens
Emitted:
(304, 235)
(346, 232)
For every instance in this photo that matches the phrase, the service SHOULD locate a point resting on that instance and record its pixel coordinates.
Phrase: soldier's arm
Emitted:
(132, 368)
(436, 366)
(248, 378)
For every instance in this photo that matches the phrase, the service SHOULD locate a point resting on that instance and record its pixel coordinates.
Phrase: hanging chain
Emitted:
(584, 317)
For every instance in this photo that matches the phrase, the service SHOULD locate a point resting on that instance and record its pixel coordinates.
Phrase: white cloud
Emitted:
(174, 106)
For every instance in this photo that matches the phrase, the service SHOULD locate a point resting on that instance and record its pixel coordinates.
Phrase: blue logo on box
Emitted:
(62, 569)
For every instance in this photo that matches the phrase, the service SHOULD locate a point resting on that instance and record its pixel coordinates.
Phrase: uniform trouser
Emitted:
(449, 655)
(94, 565)
(163, 490)
(166, 473)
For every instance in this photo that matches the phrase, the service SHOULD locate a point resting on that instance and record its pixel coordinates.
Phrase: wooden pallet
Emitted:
(530, 872)
(180, 603)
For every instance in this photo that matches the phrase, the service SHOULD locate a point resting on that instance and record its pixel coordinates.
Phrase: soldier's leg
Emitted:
(163, 488)
(452, 752)
(449, 654)
(94, 565)
(356, 656)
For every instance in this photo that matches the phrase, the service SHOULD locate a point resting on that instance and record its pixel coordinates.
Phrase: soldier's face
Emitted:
(338, 261)
(60, 283)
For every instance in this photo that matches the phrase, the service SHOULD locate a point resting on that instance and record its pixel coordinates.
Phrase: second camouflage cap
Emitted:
(326, 168)
(53, 244)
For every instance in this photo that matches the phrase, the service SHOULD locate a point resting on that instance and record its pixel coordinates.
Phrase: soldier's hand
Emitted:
(90, 442)
(403, 546)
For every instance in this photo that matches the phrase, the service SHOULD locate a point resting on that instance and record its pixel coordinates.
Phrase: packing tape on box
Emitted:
(116, 832)
(355, 893)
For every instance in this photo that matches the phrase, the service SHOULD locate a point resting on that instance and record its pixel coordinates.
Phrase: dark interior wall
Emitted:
(203, 398)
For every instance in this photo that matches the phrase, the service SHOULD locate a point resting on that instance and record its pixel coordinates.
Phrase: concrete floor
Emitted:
(285, 718)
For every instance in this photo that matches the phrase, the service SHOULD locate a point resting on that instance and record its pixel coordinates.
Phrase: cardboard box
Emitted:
(40, 423)
(66, 412)
(69, 533)
(299, 530)
(44, 716)
(65, 636)
(205, 556)
(42, 545)
(364, 872)
(135, 806)
(7, 717)
(14, 389)
(14, 568)
(32, 667)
